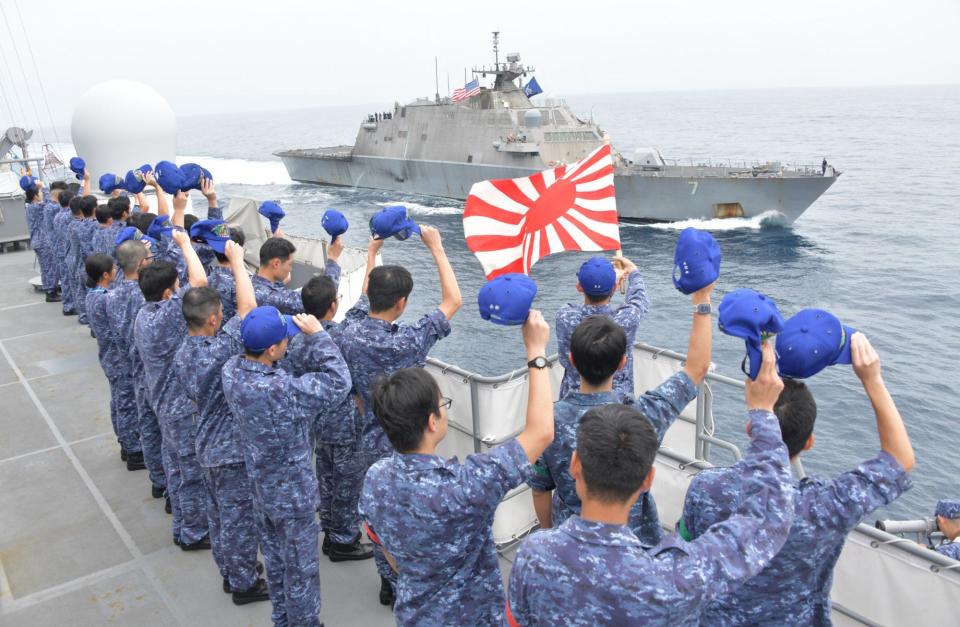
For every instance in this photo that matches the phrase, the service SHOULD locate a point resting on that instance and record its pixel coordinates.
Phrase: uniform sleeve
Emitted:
(843, 502)
(214, 213)
(711, 497)
(488, 476)
(636, 303)
(563, 337)
(738, 548)
(228, 341)
(422, 335)
(287, 301)
(540, 478)
(950, 549)
(359, 310)
(332, 271)
(664, 403)
(329, 379)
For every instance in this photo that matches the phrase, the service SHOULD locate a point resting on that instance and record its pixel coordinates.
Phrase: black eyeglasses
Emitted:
(445, 403)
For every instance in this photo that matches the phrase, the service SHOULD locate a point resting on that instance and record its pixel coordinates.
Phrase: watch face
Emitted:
(539, 362)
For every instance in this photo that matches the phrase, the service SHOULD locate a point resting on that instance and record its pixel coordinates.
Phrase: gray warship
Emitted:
(441, 147)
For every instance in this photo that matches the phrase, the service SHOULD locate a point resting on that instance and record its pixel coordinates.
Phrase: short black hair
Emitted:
(318, 294)
(595, 299)
(141, 220)
(797, 412)
(58, 185)
(76, 205)
(65, 197)
(276, 248)
(96, 266)
(119, 206)
(157, 278)
(236, 235)
(104, 214)
(597, 345)
(130, 253)
(188, 221)
(616, 445)
(387, 285)
(32, 193)
(403, 403)
(199, 303)
(89, 205)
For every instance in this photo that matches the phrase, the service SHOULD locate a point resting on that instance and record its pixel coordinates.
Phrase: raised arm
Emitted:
(246, 298)
(210, 193)
(86, 183)
(538, 432)
(195, 272)
(450, 299)
(373, 248)
(701, 338)
(636, 301)
(328, 381)
(893, 433)
(180, 201)
(163, 207)
(142, 205)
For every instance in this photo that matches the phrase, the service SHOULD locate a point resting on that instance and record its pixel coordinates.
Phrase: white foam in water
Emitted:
(765, 219)
(419, 209)
(241, 171)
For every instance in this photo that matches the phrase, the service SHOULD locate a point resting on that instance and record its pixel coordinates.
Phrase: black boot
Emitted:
(53, 297)
(157, 492)
(123, 454)
(387, 596)
(166, 506)
(352, 551)
(135, 461)
(257, 593)
(70, 312)
(226, 582)
(325, 547)
(203, 544)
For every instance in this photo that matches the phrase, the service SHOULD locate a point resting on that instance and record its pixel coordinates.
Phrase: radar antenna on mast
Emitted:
(496, 50)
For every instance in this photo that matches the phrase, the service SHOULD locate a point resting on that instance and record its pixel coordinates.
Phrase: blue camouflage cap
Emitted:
(134, 181)
(110, 182)
(272, 211)
(159, 226)
(810, 341)
(193, 176)
(265, 326)
(597, 276)
(696, 260)
(77, 166)
(169, 176)
(334, 223)
(507, 299)
(750, 315)
(393, 221)
(27, 181)
(214, 233)
(948, 508)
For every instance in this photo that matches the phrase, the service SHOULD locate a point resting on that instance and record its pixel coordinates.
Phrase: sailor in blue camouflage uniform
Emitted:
(81, 239)
(794, 589)
(51, 209)
(68, 279)
(270, 281)
(340, 468)
(124, 301)
(376, 345)
(593, 571)
(274, 412)
(948, 519)
(61, 245)
(434, 516)
(101, 273)
(158, 332)
(220, 277)
(597, 280)
(599, 348)
(118, 210)
(37, 198)
(198, 363)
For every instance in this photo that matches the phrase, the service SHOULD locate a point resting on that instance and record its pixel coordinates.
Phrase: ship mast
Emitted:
(496, 50)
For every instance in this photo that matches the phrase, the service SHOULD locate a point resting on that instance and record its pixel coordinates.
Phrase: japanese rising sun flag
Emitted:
(510, 224)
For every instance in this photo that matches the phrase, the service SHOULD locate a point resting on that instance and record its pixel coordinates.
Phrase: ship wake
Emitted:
(767, 219)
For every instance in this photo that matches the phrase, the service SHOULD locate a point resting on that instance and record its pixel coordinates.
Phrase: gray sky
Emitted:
(208, 57)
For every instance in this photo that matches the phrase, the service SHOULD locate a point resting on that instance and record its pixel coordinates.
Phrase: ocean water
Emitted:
(879, 249)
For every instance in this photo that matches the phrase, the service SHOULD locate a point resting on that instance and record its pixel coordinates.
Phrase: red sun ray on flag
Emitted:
(510, 224)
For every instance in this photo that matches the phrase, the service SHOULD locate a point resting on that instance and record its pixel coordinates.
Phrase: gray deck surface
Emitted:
(81, 540)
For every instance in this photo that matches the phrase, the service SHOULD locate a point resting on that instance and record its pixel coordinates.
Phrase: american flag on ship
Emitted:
(510, 224)
(469, 90)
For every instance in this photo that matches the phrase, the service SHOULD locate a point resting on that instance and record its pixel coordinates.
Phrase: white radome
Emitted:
(119, 125)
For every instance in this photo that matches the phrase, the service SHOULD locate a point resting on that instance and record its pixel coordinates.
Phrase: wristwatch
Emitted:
(537, 362)
(704, 309)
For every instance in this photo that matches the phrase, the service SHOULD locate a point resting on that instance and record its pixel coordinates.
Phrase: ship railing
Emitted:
(746, 166)
(879, 578)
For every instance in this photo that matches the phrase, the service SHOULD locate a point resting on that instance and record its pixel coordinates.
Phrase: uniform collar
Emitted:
(261, 279)
(255, 366)
(382, 324)
(590, 532)
(419, 461)
(590, 399)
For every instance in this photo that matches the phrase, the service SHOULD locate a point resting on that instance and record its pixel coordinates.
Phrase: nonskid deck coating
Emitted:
(81, 540)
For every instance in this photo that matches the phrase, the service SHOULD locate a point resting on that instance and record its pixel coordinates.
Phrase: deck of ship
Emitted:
(81, 540)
